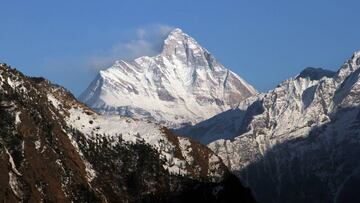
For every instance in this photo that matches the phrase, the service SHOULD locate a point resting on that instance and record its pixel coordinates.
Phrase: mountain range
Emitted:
(295, 143)
(180, 127)
(298, 142)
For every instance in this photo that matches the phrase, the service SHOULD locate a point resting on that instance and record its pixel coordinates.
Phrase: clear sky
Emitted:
(264, 41)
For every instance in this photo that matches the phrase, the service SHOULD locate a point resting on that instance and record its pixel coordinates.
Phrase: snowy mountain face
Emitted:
(297, 143)
(55, 149)
(183, 84)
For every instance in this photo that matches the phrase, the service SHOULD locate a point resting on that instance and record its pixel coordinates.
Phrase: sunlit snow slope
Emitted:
(183, 84)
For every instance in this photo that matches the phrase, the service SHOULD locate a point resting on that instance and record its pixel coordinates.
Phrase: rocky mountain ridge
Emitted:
(296, 143)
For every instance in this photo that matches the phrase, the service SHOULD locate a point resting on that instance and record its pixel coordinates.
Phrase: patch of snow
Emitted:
(40, 189)
(16, 85)
(14, 185)
(37, 144)
(53, 101)
(214, 167)
(1, 79)
(11, 83)
(11, 161)
(90, 172)
(185, 146)
(17, 118)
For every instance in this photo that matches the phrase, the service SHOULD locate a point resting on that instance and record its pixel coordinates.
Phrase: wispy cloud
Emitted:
(147, 41)
(143, 41)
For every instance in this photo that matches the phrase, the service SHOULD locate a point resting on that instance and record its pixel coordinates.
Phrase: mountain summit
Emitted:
(183, 84)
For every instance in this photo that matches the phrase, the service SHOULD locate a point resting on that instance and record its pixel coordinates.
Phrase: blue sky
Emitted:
(265, 42)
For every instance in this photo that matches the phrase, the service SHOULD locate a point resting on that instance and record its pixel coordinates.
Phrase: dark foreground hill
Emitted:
(55, 149)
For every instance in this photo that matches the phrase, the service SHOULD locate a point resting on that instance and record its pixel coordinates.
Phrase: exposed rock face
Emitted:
(183, 84)
(55, 149)
(298, 142)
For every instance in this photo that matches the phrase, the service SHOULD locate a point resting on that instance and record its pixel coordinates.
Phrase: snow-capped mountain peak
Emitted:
(183, 84)
(180, 44)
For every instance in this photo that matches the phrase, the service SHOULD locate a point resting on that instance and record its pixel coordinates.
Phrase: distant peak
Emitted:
(315, 73)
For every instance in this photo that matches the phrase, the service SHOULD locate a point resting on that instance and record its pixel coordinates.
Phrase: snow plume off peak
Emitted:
(145, 41)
